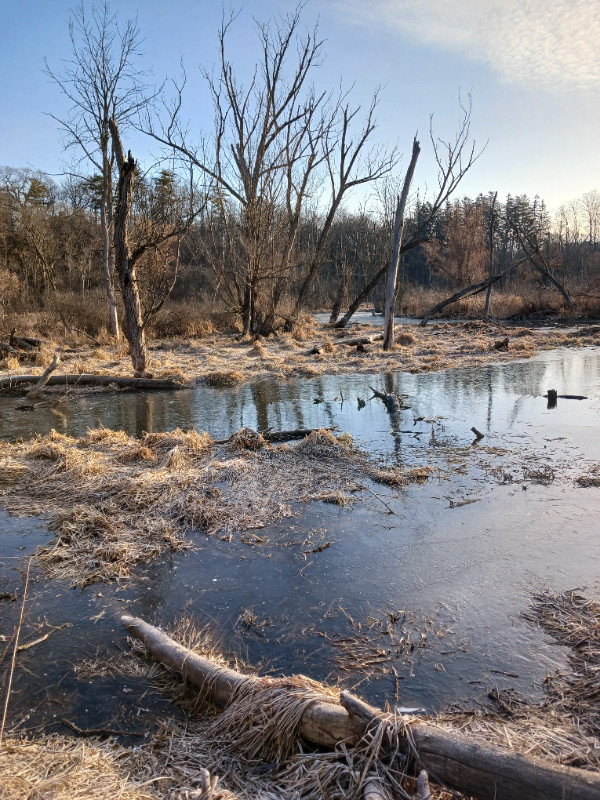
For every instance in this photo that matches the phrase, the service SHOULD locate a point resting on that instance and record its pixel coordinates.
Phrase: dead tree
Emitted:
(276, 142)
(454, 159)
(101, 83)
(127, 256)
(392, 274)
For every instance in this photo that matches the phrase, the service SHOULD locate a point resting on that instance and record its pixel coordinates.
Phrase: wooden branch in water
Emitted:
(453, 759)
(85, 379)
(44, 378)
(392, 401)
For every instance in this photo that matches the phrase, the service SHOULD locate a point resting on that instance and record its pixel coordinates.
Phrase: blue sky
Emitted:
(532, 67)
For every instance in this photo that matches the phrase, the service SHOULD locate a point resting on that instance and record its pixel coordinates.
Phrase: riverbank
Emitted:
(256, 756)
(311, 350)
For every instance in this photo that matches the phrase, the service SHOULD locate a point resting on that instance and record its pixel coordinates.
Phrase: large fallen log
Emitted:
(452, 759)
(85, 379)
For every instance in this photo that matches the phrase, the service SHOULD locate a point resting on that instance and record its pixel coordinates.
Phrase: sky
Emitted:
(531, 67)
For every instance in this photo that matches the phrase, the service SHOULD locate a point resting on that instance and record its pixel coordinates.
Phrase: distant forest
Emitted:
(250, 226)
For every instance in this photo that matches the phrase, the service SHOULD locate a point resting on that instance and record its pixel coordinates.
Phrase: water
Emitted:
(470, 568)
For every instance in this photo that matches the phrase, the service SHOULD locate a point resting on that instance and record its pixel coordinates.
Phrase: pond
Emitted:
(452, 562)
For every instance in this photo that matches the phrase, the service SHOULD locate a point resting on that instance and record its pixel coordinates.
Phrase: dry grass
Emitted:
(60, 768)
(114, 501)
(590, 478)
(224, 360)
(253, 746)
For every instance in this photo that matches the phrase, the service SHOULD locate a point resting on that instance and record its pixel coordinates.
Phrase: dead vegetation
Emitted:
(114, 501)
(252, 749)
(225, 360)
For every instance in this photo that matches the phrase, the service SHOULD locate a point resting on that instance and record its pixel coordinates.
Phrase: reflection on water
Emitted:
(495, 398)
(472, 567)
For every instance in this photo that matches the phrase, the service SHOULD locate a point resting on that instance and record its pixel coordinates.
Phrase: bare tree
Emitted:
(392, 274)
(102, 83)
(272, 138)
(128, 255)
(454, 158)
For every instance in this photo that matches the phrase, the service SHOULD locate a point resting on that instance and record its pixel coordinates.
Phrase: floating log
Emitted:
(85, 379)
(484, 772)
(392, 401)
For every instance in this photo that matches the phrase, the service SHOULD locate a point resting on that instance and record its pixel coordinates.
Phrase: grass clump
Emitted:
(114, 501)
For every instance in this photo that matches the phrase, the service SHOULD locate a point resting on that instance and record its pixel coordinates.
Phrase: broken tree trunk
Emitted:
(44, 378)
(392, 275)
(85, 379)
(484, 772)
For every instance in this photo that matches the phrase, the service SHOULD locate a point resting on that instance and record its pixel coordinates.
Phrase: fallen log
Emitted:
(24, 342)
(5, 347)
(85, 379)
(452, 759)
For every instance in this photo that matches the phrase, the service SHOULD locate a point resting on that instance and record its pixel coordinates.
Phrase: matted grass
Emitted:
(114, 500)
(225, 360)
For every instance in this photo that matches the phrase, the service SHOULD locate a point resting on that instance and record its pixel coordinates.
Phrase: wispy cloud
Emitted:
(549, 43)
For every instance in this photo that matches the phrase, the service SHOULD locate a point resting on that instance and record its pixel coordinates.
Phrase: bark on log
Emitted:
(373, 790)
(423, 791)
(44, 378)
(5, 347)
(85, 379)
(450, 758)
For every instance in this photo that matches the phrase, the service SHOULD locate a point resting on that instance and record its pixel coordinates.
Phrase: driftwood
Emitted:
(5, 347)
(44, 378)
(85, 379)
(487, 773)
(391, 400)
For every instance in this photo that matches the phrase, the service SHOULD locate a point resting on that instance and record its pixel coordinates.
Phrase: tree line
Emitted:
(252, 217)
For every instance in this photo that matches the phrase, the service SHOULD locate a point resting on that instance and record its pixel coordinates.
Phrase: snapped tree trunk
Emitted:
(392, 274)
(124, 263)
(108, 253)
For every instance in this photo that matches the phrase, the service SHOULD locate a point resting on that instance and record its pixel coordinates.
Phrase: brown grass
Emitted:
(224, 360)
(114, 501)
(253, 749)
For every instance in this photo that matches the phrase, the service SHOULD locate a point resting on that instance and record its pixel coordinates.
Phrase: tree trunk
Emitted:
(108, 253)
(488, 773)
(488, 298)
(124, 263)
(392, 275)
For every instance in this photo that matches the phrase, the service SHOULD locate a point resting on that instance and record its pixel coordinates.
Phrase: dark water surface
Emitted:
(471, 569)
